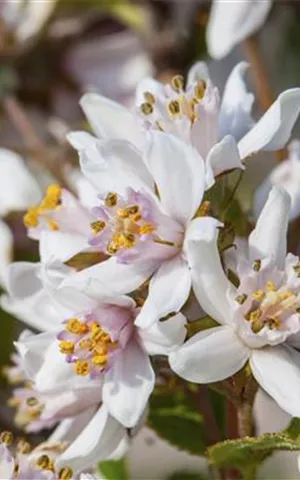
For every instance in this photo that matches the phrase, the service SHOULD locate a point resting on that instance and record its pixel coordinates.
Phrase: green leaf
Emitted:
(202, 323)
(246, 454)
(114, 469)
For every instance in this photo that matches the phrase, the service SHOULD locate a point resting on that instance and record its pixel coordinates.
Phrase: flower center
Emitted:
(86, 345)
(270, 306)
(177, 103)
(51, 201)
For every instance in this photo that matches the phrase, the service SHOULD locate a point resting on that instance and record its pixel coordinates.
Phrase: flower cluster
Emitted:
(122, 256)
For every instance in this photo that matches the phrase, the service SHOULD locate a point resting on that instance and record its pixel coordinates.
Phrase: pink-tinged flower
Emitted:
(232, 22)
(222, 130)
(286, 175)
(260, 320)
(21, 461)
(144, 217)
(98, 359)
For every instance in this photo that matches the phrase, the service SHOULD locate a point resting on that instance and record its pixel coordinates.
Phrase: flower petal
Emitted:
(23, 280)
(115, 277)
(222, 157)
(110, 119)
(151, 85)
(111, 165)
(277, 370)
(128, 385)
(268, 239)
(208, 278)
(209, 356)
(31, 349)
(18, 188)
(199, 71)
(164, 337)
(6, 251)
(55, 245)
(232, 22)
(68, 429)
(235, 113)
(273, 130)
(167, 155)
(169, 289)
(97, 441)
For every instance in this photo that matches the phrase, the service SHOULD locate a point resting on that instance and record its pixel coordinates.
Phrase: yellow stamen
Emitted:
(256, 265)
(111, 199)
(76, 327)
(44, 462)
(32, 401)
(174, 108)
(177, 83)
(81, 368)
(270, 286)
(97, 226)
(146, 108)
(53, 226)
(31, 218)
(259, 295)
(52, 198)
(99, 360)
(241, 298)
(149, 98)
(146, 229)
(6, 438)
(66, 347)
(23, 447)
(200, 90)
(65, 473)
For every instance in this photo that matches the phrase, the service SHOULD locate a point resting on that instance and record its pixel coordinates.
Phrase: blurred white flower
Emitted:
(286, 175)
(232, 21)
(112, 64)
(260, 319)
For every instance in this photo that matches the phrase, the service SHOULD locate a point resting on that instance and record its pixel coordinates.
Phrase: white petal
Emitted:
(268, 239)
(209, 356)
(70, 428)
(111, 165)
(18, 188)
(222, 157)
(235, 112)
(32, 349)
(164, 337)
(6, 251)
(151, 85)
(115, 277)
(168, 157)
(199, 71)
(128, 385)
(273, 130)
(208, 278)
(97, 441)
(277, 370)
(111, 120)
(232, 22)
(23, 280)
(169, 289)
(60, 246)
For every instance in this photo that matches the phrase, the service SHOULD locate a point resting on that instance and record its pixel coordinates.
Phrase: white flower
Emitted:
(260, 320)
(223, 132)
(98, 358)
(231, 22)
(143, 236)
(286, 175)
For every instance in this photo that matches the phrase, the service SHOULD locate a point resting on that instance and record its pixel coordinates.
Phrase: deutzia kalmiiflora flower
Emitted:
(260, 320)
(286, 175)
(232, 22)
(102, 360)
(23, 462)
(223, 132)
(142, 233)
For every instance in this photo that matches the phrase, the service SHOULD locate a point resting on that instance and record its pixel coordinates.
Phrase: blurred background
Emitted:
(51, 52)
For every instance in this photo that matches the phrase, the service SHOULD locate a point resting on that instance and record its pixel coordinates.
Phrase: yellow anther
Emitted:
(127, 240)
(76, 327)
(146, 108)
(53, 226)
(270, 286)
(200, 90)
(32, 401)
(81, 368)
(174, 108)
(97, 226)
(259, 295)
(44, 462)
(65, 473)
(146, 229)
(285, 295)
(177, 83)
(31, 218)
(128, 212)
(99, 360)
(255, 315)
(204, 209)
(241, 298)
(136, 217)
(257, 265)
(274, 322)
(111, 199)
(122, 213)
(52, 198)
(149, 98)
(13, 402)
(66, 347)
(23, 447)
(297, 269)
(6, 438)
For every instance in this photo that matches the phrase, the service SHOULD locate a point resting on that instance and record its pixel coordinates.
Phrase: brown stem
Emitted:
(245, 409)
(262, 84)
(31, 139)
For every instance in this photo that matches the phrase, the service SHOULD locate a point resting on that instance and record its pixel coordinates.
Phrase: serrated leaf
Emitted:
(246, 454)
(114, 469)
